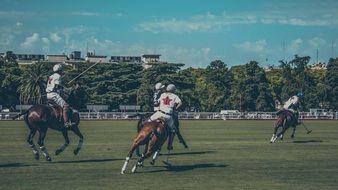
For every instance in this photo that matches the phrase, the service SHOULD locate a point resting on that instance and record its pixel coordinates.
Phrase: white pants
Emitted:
(56, 98)
(167, 118)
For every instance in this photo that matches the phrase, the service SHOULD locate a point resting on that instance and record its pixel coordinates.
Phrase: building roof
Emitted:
(56, 55)
(96, 56)
(151, 55)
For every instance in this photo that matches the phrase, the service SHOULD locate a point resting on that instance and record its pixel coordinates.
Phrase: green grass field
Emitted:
(222, 155)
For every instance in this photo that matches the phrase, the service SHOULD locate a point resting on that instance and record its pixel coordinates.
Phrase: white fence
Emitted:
(194, 115)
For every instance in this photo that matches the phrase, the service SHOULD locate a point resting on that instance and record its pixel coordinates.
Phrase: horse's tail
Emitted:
(281, 119)
(20, 114)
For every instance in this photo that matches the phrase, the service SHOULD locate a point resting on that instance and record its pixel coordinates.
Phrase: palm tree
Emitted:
(32, 87)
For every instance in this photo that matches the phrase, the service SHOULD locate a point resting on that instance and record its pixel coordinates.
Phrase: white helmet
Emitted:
(159, 86)
(57, 67)
(171, 88)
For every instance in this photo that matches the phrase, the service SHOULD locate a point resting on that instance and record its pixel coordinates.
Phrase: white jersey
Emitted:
(52, 81)
(294, 100)
(168, 101)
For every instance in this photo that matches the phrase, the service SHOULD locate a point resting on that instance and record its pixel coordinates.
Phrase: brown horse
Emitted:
(153, 135)
(41, 117)
(286, 119)
(144, 118)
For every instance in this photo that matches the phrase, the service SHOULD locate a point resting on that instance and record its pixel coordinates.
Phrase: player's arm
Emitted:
(178, 103)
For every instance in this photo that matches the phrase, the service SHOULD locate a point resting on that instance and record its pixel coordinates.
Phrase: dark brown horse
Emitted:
(286, 119)
(41, 117)
(153, 135)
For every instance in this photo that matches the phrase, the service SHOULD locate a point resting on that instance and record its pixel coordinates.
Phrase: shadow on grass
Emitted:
(182, 168)
(189, 153)
(14, 165)
(87, 161)
(309, 141)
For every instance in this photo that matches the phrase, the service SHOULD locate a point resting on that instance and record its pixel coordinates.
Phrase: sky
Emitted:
(193, 32)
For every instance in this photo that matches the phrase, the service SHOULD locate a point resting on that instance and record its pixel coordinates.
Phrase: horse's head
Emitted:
(77, 96)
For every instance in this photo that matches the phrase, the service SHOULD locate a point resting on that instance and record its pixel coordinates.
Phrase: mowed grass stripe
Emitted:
(222, 155)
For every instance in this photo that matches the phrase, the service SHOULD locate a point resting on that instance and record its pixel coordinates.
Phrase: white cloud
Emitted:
(18, 24)
(45, 40)
(209, 22)
(258, 46)
(307, 22)
(30, 41)
(55, 37)
(295, 46)
(316, 42)
(206, 22)
(93, 14)
(46, 44)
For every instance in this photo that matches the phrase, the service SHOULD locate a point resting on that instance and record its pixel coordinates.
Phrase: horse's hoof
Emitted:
(292, 136)
(36, 156)
(48, 158)
(122, 172)
(152, 162)
(58, 151)
(76, 151)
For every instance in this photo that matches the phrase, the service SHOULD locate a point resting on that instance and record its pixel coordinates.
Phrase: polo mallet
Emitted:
(307, 130)
(84, 72)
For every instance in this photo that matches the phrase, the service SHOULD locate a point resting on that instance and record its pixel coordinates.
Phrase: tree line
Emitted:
(246, 87)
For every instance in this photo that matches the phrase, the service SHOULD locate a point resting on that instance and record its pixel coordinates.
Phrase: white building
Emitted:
(150, 58)
(57, 58)
(92, 58)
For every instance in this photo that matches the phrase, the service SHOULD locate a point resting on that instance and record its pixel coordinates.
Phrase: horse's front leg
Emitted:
(76, 130)
(65, 145)
(181, 139)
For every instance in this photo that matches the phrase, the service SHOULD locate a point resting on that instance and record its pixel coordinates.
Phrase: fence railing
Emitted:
(193, 115)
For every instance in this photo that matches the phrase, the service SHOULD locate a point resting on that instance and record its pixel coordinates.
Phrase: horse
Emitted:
(144, 118)
(285, 120)
(153, 135)
(40, 117)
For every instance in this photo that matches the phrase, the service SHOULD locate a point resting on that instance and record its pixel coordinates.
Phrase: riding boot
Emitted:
(66, 116)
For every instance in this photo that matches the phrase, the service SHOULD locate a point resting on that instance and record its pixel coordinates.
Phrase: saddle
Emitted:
(53, 105)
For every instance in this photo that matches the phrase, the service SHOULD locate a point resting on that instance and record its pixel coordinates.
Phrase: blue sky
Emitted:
(194, 32)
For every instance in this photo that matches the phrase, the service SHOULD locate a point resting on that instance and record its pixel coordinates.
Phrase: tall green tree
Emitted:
(9, 82)
(250, 89)
(33, 84)
(331, 82)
